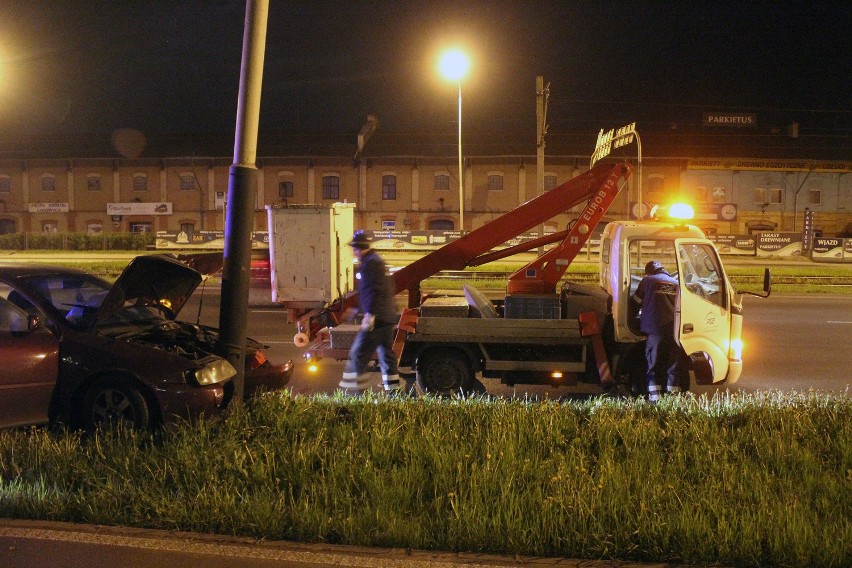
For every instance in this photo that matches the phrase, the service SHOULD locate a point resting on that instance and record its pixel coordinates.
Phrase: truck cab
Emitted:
(708, 312)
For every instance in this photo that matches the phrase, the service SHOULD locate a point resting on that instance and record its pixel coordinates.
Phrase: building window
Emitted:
(389, 187)
(140, 182)
(93, 182)
(285, 189)
(187, 228)
(763, 196)
(49, 227)
(441, 225)
(140, 227)
(48, 183)
(495, 181)
(331, 187)
(656, 183)
(187, 181)
(719, 195)
(815, 196)
(5, 184)
(549, 181)
(442, 182)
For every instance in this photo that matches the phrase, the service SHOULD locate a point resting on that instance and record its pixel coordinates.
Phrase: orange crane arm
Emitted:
(465, 251)
(541, 275)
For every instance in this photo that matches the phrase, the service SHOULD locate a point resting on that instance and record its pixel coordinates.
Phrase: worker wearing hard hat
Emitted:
(657, 293)
(378, 326)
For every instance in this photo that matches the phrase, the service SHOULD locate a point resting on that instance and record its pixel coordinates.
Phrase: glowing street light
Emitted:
(453, 66)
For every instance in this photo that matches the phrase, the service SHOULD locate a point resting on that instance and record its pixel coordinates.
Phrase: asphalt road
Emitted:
(792, 342)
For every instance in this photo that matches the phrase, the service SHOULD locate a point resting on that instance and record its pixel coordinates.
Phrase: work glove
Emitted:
(368, 322)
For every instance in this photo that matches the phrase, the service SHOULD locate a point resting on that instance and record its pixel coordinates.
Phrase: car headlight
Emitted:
(215, 372)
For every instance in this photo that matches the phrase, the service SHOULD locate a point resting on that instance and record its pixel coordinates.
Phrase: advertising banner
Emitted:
(59, 207)
(779, 244)
(830, 250)
(208, 240)
(136, 208)
(735, 244)
(808, 231)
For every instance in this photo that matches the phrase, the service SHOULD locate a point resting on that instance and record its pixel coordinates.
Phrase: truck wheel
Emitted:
(444, 372)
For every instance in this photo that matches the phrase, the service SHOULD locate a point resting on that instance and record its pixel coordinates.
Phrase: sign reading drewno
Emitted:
(729, 119)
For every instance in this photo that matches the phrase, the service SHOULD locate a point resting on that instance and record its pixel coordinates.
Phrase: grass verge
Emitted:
(744, 480)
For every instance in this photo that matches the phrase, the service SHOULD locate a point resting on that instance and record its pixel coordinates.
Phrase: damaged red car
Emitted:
(79, 351)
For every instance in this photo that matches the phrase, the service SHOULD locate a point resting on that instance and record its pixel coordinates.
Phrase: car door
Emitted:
(29, 369)
(703, 315)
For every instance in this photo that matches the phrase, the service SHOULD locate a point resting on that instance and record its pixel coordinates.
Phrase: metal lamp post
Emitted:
(454, 65)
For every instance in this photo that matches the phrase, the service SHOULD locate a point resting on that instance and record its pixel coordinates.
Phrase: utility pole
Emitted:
(242, 188)
(542, 94)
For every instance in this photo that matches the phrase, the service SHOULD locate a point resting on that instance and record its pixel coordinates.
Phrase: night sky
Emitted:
(169, 66)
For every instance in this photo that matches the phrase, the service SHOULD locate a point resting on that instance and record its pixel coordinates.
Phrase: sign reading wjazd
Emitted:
(831, 250)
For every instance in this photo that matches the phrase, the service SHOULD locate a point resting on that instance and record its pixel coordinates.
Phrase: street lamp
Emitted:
(453, 66)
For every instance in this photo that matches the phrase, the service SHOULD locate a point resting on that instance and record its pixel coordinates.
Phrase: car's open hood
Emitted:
(159, 280)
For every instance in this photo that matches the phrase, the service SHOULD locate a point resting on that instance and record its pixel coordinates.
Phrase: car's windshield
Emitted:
(78, 298)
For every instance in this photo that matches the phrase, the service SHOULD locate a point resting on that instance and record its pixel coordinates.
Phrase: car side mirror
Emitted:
(767, 285)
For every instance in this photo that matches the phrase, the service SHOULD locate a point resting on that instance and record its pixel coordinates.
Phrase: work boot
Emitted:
(392, 384)
(354, 383)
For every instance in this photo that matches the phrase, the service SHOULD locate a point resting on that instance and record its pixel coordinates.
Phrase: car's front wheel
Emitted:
(112, 402)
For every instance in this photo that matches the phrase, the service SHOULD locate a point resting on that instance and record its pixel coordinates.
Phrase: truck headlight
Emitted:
(735, 352)
(215, 372)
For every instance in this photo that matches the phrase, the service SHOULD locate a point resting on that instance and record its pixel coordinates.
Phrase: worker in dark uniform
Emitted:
(378, 326)
(657, 293)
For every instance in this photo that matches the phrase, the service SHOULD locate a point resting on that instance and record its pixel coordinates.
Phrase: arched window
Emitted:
(140, 182)
(442, 181)
(187, 181)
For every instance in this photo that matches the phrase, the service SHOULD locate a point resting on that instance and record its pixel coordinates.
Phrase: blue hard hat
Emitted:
(654, 267)
(360, 240)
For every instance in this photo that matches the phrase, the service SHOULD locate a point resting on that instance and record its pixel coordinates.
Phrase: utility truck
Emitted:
(535, 333)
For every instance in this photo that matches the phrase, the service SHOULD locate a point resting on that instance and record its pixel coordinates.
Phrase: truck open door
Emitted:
(704, 313)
